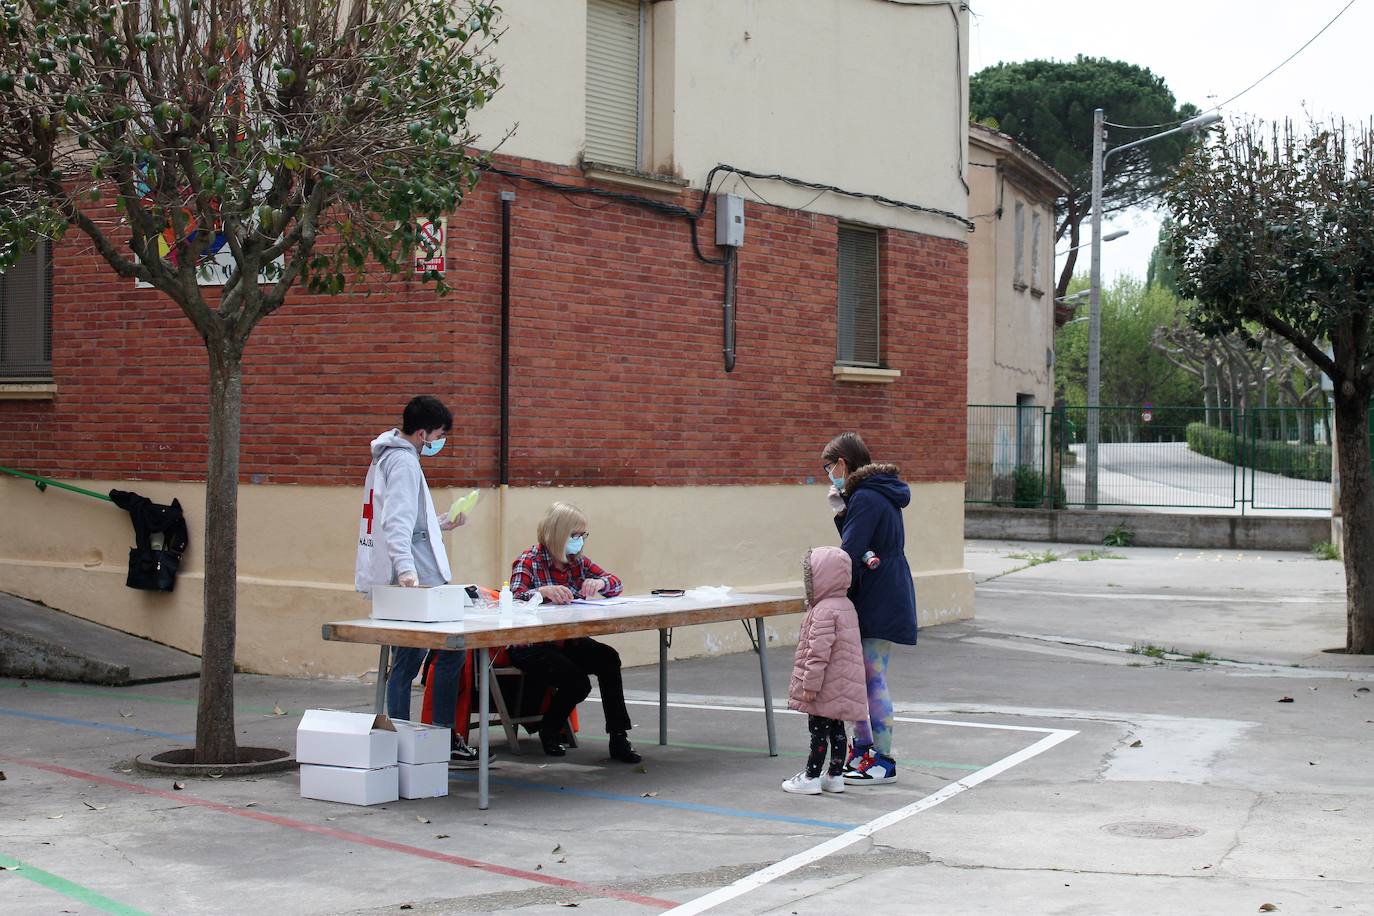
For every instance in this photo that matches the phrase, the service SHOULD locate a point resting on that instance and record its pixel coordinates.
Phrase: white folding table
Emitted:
(489, 630)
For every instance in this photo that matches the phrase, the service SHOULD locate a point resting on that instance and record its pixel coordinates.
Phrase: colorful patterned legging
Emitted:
(876, 730)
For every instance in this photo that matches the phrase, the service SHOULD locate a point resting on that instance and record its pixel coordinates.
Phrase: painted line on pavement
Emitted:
(16, 868)
(845, 840)
(737, 749)
(106, 726)
(739, 705)
(116, 693)
(184, 798)
(656, 802)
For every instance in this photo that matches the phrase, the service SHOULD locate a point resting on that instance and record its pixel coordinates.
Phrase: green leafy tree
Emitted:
(1133, 371)
(1048, 105)
(1275, 227)
(1162, 271)
(296, 142)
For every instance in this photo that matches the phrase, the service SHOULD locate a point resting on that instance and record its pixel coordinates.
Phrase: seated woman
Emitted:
(558, 570)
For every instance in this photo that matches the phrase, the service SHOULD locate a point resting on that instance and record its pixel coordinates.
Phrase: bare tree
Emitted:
(287, 143)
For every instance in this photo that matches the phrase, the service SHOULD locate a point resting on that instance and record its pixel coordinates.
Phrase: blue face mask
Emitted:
(430, 449)
(839, 484)
(575, 546)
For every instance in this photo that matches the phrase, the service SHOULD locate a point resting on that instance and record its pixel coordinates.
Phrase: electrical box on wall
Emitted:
(729, 220)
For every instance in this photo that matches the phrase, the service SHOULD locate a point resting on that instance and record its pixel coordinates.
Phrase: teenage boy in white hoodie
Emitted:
(410, 551)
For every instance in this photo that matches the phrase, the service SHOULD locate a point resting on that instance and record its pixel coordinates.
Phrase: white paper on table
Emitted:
(709, 592)
(610, 602)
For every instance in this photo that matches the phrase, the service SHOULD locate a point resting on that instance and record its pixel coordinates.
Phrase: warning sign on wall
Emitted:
(430, 245)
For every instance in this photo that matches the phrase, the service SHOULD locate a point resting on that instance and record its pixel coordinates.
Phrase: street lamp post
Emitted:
(1100, 157)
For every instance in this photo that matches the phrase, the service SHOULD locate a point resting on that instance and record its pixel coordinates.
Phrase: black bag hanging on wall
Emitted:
(160, 536)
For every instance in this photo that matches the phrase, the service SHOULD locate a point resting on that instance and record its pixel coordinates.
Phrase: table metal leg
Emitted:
(662, 686)
(484, 724)
(383, 666)
(767, 694)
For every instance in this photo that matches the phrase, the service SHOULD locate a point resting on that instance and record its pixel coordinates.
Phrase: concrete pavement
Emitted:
(1041, 773)
(1168, 477)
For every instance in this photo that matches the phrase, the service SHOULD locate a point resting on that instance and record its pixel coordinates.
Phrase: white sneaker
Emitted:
(832, 783)
(801, 784)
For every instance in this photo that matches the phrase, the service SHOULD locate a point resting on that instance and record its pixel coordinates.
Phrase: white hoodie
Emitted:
(394, 497)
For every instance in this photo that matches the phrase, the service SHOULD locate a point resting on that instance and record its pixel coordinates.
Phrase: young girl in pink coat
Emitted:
(828, 677)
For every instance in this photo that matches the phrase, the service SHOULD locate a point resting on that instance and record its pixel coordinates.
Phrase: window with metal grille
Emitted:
(615, 77)
(26, 316)
(858, 343)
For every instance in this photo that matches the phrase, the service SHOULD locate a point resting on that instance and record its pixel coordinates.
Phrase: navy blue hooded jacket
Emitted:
(885, 597)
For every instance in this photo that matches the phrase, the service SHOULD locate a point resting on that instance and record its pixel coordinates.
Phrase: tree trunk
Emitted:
(1209, 397)
(1061, 288)
(215, 738)
(1357, 510)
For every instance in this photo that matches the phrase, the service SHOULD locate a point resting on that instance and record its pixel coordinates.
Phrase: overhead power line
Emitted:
(1275, 69)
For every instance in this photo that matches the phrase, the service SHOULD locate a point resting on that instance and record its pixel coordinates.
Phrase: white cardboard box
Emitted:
(350, 785)
(335, 738)
(417, 742)
(439, 604)
(423, 780)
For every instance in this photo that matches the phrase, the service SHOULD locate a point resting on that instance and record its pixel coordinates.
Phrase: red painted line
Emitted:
(348, 836)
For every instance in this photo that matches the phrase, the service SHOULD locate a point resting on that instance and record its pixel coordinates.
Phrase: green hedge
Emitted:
(1304, 462)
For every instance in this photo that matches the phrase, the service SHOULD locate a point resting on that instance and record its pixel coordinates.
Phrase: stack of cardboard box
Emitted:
(422, 752)
(347, 757)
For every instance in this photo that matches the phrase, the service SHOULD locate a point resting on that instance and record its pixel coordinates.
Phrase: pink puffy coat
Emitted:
(829, 658)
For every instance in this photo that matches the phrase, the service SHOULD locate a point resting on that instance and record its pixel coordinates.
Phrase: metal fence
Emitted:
(1217, 459)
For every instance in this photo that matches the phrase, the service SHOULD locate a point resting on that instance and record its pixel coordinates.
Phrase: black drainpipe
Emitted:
(728, 309)
(507, 197)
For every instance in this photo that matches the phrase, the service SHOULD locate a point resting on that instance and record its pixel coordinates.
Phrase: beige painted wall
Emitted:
(297, 546)
(866, 96)
(1010, 328)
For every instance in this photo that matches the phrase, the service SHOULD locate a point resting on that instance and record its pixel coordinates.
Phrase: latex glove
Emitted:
(408, 580)
(592, 587)
(836, 500)
(460, 521)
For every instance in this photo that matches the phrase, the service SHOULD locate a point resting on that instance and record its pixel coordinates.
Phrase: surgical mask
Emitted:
(575, 546)
(430, 449)
(838, 482)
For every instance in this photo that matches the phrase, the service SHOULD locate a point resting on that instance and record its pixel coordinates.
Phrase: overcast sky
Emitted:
(1206, 51)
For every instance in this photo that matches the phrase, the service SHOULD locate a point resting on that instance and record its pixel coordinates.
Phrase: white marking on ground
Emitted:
(743, 704)
(792, 863)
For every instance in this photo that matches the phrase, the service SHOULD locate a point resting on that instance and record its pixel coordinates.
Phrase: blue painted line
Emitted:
(62, 720)
(658, 802)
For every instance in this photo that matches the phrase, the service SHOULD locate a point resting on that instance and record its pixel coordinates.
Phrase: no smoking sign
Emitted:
(431, 241)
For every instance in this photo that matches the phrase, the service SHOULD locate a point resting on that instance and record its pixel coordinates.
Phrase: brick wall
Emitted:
(616, 359)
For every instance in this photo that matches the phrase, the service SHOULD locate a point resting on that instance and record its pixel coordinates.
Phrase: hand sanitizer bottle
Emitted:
(505, 601)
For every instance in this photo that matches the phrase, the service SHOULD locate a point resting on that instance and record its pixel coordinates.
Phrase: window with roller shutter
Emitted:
(858, 339)
(615, 77)
(26, 316)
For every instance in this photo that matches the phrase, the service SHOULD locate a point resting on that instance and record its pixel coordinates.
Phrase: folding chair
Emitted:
(467, 692)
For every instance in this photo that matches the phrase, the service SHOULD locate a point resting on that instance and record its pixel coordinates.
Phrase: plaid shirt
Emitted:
(534, 568)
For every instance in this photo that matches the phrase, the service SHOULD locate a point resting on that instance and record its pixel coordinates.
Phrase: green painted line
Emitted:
(931, 764)
(67, 888)
(114, 693)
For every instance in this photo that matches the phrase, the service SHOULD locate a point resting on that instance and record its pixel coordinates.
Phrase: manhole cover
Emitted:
(1152, 830)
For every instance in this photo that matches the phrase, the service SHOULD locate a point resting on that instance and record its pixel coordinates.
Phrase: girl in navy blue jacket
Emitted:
(868, 500)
